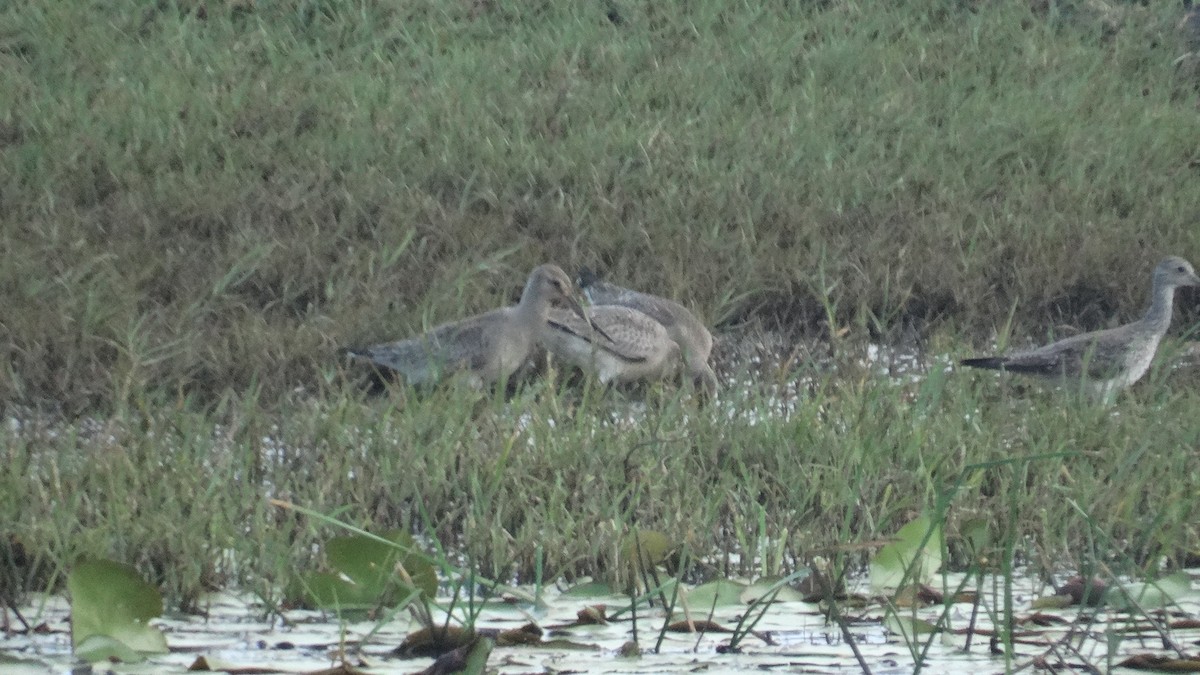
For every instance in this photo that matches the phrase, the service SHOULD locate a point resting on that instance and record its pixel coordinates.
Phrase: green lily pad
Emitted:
(478, 656)
(111, 603)
(1149, 595)
(366, 573)
(96, 648)
(588, 589)
(370, 562)
(907, 559)
(333, 591)
(761, 588)
(976, 534)
(654, 548)
(569, 645)
(908, 627)
(719, 593)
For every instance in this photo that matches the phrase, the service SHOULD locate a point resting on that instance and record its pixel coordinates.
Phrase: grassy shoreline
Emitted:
(202, 201)
(202, 197)
(551, 481)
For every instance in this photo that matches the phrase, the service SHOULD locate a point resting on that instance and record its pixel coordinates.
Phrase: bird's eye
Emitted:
(1181, 270)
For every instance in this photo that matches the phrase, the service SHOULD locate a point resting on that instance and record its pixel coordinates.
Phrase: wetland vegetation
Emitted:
(203, 201)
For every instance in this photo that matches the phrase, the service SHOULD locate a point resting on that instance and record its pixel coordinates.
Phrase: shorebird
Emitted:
(1105, 360)
(487, 347)
(634, 346)
(694, 340)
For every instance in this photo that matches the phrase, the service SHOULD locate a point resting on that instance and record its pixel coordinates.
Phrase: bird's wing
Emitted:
(467, 343)
(630, 332)
(660, 309)
(1097, 354)
(450, 346)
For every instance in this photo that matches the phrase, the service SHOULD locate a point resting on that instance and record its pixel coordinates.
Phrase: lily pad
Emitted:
(588, 589)
(1057, 601)
(96, 648)
(907, 626)
(111, 603)
(434, 641)
(767, 585)
(469, 659)
(1155, 594)
(213, 664)
(527, 635)
(719, 593)
(367, 573)
(976, 534)
(913, 557)
(646, 548)
(371, 562)
(327, 590)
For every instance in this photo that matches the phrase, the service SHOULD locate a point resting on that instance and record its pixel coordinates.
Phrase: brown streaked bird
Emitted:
(633, 347)
(1106, 360)
(694, 339)
(487, 347)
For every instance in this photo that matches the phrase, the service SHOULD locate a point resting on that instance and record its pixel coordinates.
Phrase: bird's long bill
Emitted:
(578, 309)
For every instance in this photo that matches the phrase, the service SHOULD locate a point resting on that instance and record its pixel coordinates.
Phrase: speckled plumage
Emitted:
(694, 339)
(634, 346)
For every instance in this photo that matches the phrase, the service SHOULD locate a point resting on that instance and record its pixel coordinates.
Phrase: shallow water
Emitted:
(235, 632)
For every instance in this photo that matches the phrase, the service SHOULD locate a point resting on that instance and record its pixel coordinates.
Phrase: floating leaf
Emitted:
(719, 593)
(1156, 594)
(212, 664)
(327, 590)
(570, 645)
(648, 547)
(433, 641)
(371, 562)
(908, 626)
(913, 557)
(367, 573)
(469, 659)
(1090, 593)
(109, 599)
(592, 615)
(698, 626)
(95, 648)
(766, 585)
(588, 589)
(1052, 602)
(17, 664)
(1162, 664)
(529, 634)
(976, 534)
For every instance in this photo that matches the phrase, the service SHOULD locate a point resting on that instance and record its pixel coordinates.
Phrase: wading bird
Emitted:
(634, 346)
(1105, 360)
(485, 348)
(694, 340)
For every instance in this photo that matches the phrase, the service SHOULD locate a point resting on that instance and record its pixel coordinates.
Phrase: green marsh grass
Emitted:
(549, 484)
(202, 197)
(203, 201)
